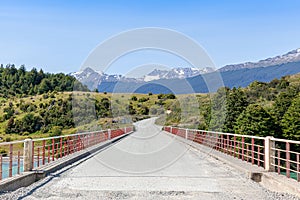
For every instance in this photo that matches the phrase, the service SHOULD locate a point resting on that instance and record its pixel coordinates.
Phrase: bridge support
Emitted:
(269, 154)
(28, 155)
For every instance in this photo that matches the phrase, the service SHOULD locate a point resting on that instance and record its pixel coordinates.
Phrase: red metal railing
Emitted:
(282, 156)
(46, 150)
(285, 158)
(244, 147)
(11, 154)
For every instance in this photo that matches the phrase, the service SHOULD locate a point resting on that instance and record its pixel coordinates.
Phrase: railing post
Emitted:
(61, 144)
(186, 133)
(109, 134)
(53, 149)
(10, 159)
(287, 159)
(243, 148)
(19, 155)
(0, 167)
(252, 151)
(298, 167)
(44, 151)
(28, 154)
(269, 154)
(38, 156)
(234, 146)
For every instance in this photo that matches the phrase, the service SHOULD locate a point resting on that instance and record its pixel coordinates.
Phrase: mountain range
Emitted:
(292, 56)
(88, 75)
(190, 80)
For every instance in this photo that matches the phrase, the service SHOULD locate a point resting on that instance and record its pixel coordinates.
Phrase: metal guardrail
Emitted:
(286, 157)
(29, 154)
(11, 157)
(270, 153)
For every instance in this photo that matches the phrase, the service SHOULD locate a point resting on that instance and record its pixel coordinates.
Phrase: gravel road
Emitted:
(148, 164)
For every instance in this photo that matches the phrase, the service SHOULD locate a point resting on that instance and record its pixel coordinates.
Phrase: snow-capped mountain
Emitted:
(89, 76)
(92, 78)
(292, 56)
(179, 73)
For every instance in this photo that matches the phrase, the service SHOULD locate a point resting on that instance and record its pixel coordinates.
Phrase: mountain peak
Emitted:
(178, 72)
(292, 56)
(91, 78)
(296, 51)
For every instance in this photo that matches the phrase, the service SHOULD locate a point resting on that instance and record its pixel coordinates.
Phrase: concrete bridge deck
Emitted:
(148, 164)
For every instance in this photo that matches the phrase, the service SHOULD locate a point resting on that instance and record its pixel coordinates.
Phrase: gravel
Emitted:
(27, 193)
(45, 189)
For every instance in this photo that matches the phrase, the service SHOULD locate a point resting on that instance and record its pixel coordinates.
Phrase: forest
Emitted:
(20, 83)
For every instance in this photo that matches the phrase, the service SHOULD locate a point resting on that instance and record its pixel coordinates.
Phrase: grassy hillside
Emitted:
(41, 115)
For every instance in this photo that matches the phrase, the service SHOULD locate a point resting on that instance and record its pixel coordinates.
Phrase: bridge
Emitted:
(152, 162)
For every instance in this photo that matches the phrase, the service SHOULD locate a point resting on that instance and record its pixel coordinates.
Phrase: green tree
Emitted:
(218, 110)
(255, 120)
(31, 123)
(45, 86)
(281, 104)
(10, 127)
(144, 110)
(236, 103)
(291, 121)
(131, 110)
(9, 112)
(19, 81)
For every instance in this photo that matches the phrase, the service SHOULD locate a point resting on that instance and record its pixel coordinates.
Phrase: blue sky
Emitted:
(58, 35)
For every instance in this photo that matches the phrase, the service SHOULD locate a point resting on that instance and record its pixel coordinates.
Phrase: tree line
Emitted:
(19, 82)
(261, 109)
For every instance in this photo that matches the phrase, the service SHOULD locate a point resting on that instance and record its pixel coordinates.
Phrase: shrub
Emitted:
(143, 99)
(26, 133)
(45, 96)
(3, 152)
(55, 131)
(7, 139)
(134, 98)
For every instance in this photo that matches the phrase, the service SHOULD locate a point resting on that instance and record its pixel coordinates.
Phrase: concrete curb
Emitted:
(280, 183)
(27, 178)
(269, 180)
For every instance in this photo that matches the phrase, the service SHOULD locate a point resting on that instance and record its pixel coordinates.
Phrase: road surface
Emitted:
(148, 164)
